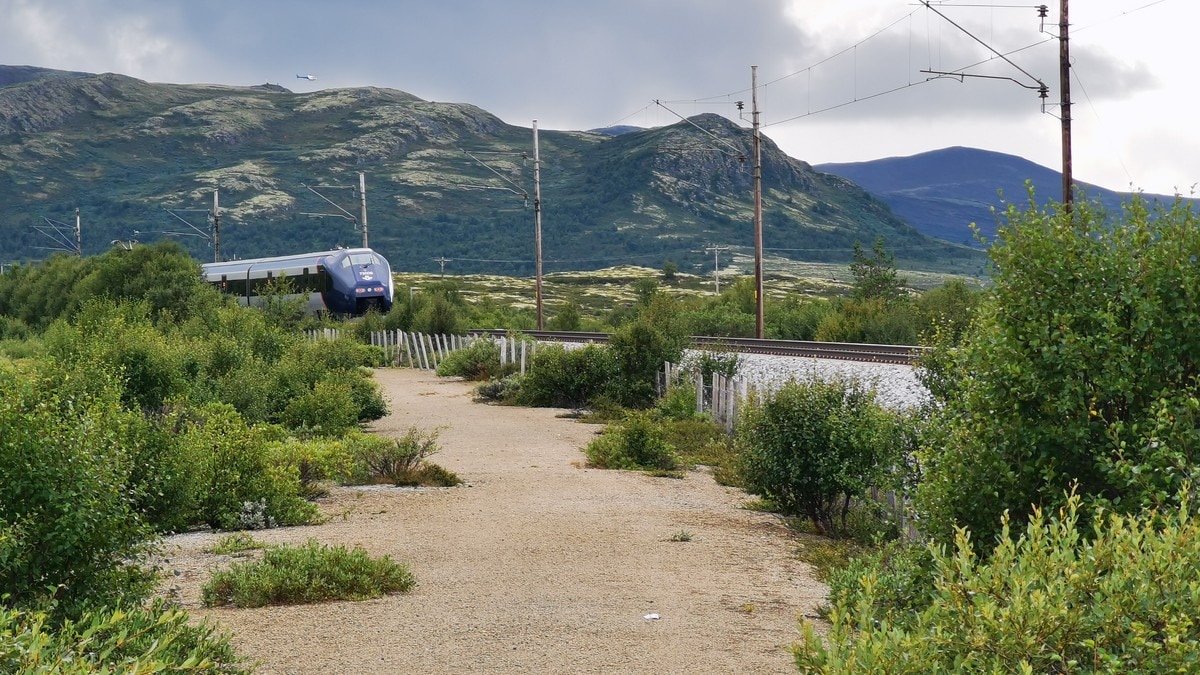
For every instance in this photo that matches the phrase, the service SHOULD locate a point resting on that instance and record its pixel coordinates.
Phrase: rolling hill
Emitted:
(443, 180)
(942, 192)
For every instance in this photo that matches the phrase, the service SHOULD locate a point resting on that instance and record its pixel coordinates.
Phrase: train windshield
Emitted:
(364, 259)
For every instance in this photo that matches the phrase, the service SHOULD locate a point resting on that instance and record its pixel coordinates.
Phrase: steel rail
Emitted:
(846, 351)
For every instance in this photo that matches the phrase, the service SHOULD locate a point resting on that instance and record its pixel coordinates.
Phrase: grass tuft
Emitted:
(314, 572)
(235, 543)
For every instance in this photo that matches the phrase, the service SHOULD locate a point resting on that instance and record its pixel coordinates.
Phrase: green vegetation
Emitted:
(404, 461)
(235, 543)
(128, 639)
(141, 402)
(814, 448)
(1073, 392)
(305, 574)
(1081, 370)
(1059, 596)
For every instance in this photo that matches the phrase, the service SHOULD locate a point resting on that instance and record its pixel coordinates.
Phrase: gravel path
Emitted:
(538, 565)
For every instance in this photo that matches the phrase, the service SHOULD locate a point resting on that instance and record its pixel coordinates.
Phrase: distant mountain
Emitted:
(442, 180)
(943, 191)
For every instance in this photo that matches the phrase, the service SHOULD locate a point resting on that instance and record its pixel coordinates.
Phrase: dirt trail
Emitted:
(538, 566)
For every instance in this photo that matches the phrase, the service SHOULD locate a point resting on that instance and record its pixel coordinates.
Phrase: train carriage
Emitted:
(347, 281)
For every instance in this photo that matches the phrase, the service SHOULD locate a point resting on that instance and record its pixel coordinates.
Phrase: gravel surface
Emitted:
(537, 565)
(895, 385)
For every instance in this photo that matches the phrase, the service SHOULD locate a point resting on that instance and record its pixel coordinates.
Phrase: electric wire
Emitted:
(1091, 106)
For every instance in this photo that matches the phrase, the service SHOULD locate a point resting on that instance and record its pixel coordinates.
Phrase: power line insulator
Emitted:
(741, 105)
(1043, 11)
(1043, 91)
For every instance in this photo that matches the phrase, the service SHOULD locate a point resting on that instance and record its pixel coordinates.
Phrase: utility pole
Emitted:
(716, 251)
(216, 229)
(78, 234)
(537, 224)
(758, 241)
(442, 260)
(1064, 85)
(362, 193)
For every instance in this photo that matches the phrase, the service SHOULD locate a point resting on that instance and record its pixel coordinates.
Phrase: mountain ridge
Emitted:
(443, 180)
(942, 192)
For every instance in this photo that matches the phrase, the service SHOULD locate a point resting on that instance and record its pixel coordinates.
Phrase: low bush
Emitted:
(568, 378)
(504, 390)
(903, 571)
(815, 447)
(1051, 600)
(637, 442)
(133, 639)
(402, 461)
(478, 362)
(305, 574)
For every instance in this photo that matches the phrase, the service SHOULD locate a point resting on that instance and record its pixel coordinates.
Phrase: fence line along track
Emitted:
(846, 351)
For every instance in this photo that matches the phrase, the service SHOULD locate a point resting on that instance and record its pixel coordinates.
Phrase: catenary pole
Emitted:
(537, 225)
(758, 234)
(362, 194)
(1064, 84)
(78, 234)
(216, 229)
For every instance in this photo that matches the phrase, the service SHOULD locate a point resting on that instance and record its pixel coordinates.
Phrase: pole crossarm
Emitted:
(198, 232)
(1040, 85)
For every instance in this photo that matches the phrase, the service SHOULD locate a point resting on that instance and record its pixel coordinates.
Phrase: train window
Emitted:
(346, 261)
(364, 259)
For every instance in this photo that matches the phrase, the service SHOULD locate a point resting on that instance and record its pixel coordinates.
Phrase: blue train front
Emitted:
(347, 281)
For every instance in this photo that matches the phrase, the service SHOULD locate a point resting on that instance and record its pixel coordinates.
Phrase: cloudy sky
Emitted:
(840, 80)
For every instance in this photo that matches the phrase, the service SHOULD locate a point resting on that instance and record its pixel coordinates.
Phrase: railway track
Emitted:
(846, 351)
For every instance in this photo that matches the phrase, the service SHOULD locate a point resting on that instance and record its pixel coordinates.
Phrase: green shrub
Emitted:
(402, 461)
(1082, 367)
(306, 574)
(328, 408)
(1050, 600)
(640, 350)
(679, 403)
(637, 442)
(505, 389)
(568, 378)
(318, 460)
(68, 525)
(242, 486)
(130, 639)
(814, 447)
(903, 573)
(479, 361)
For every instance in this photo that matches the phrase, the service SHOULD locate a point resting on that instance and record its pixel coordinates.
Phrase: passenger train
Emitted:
(345, 281)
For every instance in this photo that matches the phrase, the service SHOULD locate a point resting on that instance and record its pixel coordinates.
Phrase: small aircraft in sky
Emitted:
(306, 77)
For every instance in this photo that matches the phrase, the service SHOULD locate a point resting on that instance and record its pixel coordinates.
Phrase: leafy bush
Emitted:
(68, 527)
(507, 388)
(637, 442)
(479, 361)
(640, 350)
(328, 408)
(903, 573)
(679, 403)
(306, 574)
(814, 447)
(240, 473)
(1082, 366)
(123, 639)
(1122, 599)
(568, 378)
